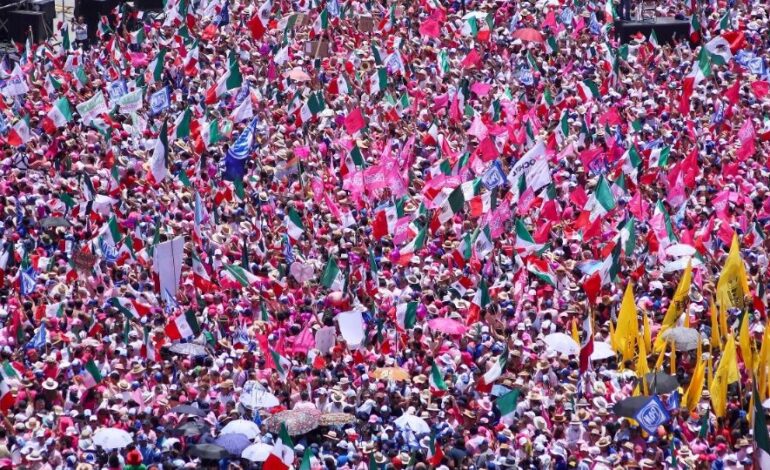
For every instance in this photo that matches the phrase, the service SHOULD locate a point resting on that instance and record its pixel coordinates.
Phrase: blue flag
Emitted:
(28, 281)
(223, 17)
(238, 154)
(159, 101)
(652, 415)
(287, 252)
(38, 341)
(674, 400)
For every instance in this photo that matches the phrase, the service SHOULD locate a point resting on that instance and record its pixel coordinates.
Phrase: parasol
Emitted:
(678, 250)
(241, 426)
(257, 397)
(681, 263)
(49, 222)
(391, 373)
(414, 423)
(298, 75)
(562, 343)
(336, 419)
(685, 339)
(190, 429)
(208, 451)
(257, 452)
(661, 383)
(628, 407)
(234, 443)
(297, 421)
(528, 34)
(188, 410)
(112, 438)
(447, 326)
(188, 349)
(602, 350)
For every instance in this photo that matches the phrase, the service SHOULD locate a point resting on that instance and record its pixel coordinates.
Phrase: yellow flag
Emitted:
(763, 361)
(695, 389)
(676, 307)
(744, 339)
(642, 368)
(716, 337)
(727, 373)
(723, 328)
(672, 361)
(710, 369)
(647, 331)
(613, 341)
(627, 330)
(659, 362)
(575, 334)
(733, 284)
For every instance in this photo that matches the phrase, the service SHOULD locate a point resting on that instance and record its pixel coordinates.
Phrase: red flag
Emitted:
(430, 28)
(592, 286)
(473, 59)
(256, 27)
(760, 88)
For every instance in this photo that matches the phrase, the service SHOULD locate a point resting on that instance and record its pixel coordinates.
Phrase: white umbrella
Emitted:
(562, 343)
(602, 350)
(414, 423)
(258, 398)
(257, 452)
(680, 264)
(112, 438)
(241, 426)
(678, 250)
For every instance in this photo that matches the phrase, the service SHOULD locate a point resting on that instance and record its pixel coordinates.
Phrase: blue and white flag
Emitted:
(652, 415)
(287, 251)
(159, 101)
(223, 18)
(674, 400)
(567, 16)
(117, 89)
(237, 155)
(171, 303)
(493, 177)
(526, 77)
(28, 281)
(594, 25)
(333, 7)
(38, 341)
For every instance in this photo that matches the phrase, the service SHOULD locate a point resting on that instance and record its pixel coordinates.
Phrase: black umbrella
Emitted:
(660, 383)
(49, 222)
(208, 451)
(630, 406)
(190, 429)
(188, 410)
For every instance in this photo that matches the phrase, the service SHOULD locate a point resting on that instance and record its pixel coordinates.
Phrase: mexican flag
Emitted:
(385, 220)
(588, 90)
(464, 250)
(436, 379)
(183, 326)
(182, 124)
(130, 307)
(231, 80)
(58, 116)
(91, 375)
(539, 267)
(282, 365)
(525, 244)
(632, 161)
(19, 133)
(482, 242)
(7, 400)
(155, 68)
(378, 81)
(201, 278)
(601, 201)
(333, 278)
(761, 437)
(506, 404)
(659, 156)
(406, 315)
(294, 226)
(238, 274)
(453, 205)
(413, 246)
(480, 301)
(158, 166)
(496, 370)
(587, 345)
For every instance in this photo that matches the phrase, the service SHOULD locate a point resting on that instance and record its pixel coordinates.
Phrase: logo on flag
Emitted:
(526, 77)
(674, 400)
(117, 89)
(493, 177)
(652, 415)
(28, 280)
(159, 101)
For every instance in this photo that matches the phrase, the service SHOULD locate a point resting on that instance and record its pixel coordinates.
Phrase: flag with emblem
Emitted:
(436, 379)
(91, 374)
(183, 326)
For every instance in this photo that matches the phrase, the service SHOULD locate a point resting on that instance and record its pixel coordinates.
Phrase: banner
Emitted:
(159, 101)
(131, 102)
(88, 110)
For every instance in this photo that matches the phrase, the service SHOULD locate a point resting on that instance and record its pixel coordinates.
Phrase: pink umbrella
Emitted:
(528, 34)
(297, 74)
(448, 326)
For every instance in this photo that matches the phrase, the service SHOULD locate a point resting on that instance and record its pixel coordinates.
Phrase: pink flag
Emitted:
(473, 59)
(497, 219)
(401, 231)
(303, 342)
(488, 150)
(354, 121)
(430, 28)
(302, 152)
(478, 129)
(760, 88)
(638, 206)
(481, 89)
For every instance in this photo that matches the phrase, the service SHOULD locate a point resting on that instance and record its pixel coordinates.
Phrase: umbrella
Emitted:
(297, 421)
(413, 423)
(298, 75)
(208, 451)
(678, 250)
(234, 443)
(602, 350)
(661, 382)
(681, 263)
(112, 438)
(562, 343)
(49, 222)
(257, 452)
(448, 326)
(685, 339)
(188, 349)
(241, 426)
(628, 407)
(190, 429)
(528, 34)
(391, 373)
(188, 410)
(258, 398)
(337, 419)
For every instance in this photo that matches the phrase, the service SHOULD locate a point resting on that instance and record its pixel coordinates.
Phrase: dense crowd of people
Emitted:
(386, 235)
